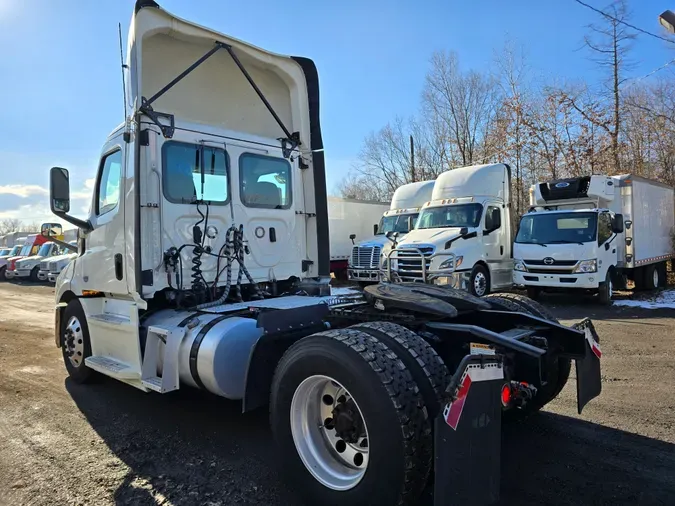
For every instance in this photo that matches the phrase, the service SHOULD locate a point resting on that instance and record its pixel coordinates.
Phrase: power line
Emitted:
(609, 16)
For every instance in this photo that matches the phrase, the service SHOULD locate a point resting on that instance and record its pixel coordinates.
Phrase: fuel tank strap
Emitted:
(194, 350)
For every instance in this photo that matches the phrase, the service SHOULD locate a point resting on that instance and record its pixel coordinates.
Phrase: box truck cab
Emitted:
(30, 247)
(51, 267)
(29, 267)
(593, 233)
(462, 237)
(4, 259)
(364, 262)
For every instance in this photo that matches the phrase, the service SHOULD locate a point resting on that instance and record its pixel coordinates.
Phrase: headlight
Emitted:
(587, 266)
(519, 266)
(450, 262)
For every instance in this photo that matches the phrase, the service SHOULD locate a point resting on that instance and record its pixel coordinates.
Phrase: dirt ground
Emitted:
(65, 444)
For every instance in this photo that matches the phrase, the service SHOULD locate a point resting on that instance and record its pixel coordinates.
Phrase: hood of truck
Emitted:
(62, 257)
(432, 236)
(568, 251)
(35, 259)
(377, 240)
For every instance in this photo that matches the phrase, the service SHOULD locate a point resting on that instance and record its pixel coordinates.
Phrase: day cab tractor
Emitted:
(204, 263)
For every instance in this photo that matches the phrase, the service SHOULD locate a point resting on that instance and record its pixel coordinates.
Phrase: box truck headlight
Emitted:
(587, 266)
(450, 262)
(518, 265)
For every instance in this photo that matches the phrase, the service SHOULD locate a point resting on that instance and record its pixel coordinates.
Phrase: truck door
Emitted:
(270, 205)
(102, 263)
(496, 249)
(607, 244)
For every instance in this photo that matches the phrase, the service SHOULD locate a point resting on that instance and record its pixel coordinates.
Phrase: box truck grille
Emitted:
(44, 266)
(366, 257)
(410, 263)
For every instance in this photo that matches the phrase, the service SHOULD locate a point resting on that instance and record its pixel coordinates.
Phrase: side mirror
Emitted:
(617, 223)
(375, 229)
(352, 237)
(463, 231)
(59, 190)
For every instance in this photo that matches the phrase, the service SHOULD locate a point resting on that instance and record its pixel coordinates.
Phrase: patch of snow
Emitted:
(665, 299)
(346, 290)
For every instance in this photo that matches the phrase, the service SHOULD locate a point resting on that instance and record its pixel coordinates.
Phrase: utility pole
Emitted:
(412, 160)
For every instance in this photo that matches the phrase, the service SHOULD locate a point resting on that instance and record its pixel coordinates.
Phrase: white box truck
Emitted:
(463, 234)
(594, 233)
(196, 272)
(350, 219)
(364, 262)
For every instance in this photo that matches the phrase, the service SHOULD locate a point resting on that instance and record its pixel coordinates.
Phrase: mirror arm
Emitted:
(81, 224)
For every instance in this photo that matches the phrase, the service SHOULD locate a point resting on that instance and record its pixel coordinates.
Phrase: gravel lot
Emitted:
(62, 444)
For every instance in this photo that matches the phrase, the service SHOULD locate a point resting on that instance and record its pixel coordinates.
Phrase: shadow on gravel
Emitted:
(194, 448)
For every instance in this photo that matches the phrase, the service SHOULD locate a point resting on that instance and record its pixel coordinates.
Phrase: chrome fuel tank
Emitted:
(215, 351)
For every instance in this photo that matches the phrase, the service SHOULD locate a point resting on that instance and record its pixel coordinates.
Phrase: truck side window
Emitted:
(265, 181)
(493, 218)
(182, 166)
(604, 227)
(108, 191)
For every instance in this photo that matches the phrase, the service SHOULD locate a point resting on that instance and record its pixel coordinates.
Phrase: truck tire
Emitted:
(3, 271)
(560, 371)
(606, 290)
(34, 274)
(331, 392)
(75, 343)
(663, 274)
(425, 365)
(651, 277)
(479, 282)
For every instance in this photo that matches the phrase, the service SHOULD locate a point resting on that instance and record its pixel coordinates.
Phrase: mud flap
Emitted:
(589, 384)
(467, 436)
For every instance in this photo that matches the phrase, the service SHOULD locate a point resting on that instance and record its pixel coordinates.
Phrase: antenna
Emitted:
(124, 85)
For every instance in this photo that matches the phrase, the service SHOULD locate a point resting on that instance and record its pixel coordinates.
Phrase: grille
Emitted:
(366, 257)
(561, 263)
(410, 263)
(550, 271)
(44, 266)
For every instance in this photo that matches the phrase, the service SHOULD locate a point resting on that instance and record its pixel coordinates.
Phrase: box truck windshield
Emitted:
(459, 215)
(557, 228)
(396, 223)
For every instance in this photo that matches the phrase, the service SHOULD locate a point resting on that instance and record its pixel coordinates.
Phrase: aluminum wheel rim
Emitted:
(610, 288)
(479, 283)
(655, 277)
(74, 341)
(334, 462)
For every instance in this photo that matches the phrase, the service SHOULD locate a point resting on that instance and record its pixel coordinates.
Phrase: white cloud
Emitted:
(23, 190)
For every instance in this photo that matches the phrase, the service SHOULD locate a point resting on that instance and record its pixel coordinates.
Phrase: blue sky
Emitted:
(61, 89)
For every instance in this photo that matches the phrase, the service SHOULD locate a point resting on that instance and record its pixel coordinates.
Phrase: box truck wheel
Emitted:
(651, 277)
(349, 421)
(34, 274)
(3, 273)
(75, 343)
(606, 290)
(479, 283)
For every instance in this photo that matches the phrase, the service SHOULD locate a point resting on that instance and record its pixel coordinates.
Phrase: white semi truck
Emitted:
(350, 219)
(400, 218)
(463, 233)
(204, 263)
(594, 233)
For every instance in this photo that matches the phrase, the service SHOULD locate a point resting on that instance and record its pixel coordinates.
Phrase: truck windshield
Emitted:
(557, 228)
(457, 215)
(3, 252)
(44, 250)
(14, 251)
(396, 223)
(25, 251)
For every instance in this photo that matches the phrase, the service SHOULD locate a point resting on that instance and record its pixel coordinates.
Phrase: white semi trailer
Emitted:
(350, 219)
(400, 218)
(594, 233)
(204, 263)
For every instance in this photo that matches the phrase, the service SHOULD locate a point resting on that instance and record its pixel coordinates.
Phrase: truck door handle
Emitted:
(118, 266)
(501, 250)
(273, 234)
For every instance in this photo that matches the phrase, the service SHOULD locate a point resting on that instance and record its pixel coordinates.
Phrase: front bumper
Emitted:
(22, 273)
(51, 277)
(10, 274)
(363, 274)
(568, 280)
(43, 275)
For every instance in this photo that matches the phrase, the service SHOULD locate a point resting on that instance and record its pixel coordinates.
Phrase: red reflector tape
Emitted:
(595, 346)
(453, 411)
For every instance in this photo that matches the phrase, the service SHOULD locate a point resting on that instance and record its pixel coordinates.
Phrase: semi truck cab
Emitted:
(364, 262)
(463, 234)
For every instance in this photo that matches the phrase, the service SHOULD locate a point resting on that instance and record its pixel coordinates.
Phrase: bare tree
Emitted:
(9, 225)
(462, 105)
(33, 227)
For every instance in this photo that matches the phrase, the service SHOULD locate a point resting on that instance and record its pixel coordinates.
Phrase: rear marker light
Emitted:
(506, 395)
